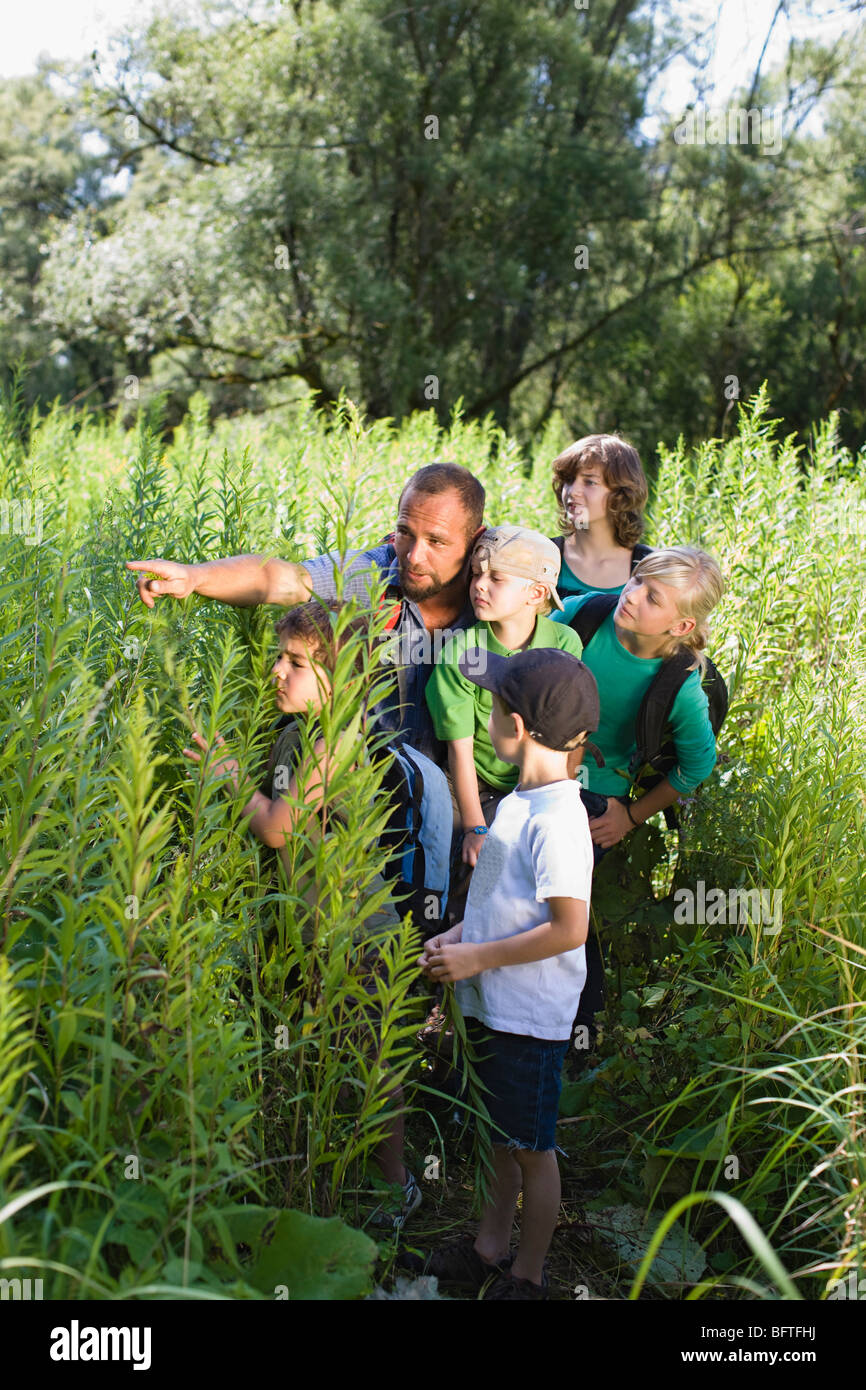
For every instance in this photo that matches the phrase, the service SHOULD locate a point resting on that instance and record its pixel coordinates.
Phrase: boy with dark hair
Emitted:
(518, 956)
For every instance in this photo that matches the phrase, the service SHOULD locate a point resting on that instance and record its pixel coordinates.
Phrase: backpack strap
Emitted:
(590, 615)
(395, 607)
(417, 838)
(655, 709)
(559, 542)
(419, 866)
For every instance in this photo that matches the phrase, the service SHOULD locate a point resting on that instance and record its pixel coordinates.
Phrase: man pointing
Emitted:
(425, 566)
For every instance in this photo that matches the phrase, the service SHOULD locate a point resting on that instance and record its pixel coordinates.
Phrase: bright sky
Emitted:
(59, 28)
(71, 29)
(737, 31)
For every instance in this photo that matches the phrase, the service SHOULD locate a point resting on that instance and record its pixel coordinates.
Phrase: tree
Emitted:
(423, 203)
(398, 200)
(47, 177)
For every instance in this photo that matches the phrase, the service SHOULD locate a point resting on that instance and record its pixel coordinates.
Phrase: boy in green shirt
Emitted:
(513, 585)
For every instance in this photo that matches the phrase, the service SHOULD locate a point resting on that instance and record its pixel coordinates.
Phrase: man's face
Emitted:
(431, 542)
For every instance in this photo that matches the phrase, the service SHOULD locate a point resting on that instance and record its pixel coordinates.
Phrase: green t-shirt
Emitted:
(461, 709)
(623, 679)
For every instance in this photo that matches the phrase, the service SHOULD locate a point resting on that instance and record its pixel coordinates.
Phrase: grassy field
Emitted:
(183, 1111)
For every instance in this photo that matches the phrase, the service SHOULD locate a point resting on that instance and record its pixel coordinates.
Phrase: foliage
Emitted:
(153, 951)
(48, 177)
(735, 1047)
(431, 205)
(202, 1030)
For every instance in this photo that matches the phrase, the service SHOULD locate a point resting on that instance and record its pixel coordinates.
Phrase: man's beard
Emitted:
(417, 591)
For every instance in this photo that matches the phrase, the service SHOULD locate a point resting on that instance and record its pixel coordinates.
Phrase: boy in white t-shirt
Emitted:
(518, 956)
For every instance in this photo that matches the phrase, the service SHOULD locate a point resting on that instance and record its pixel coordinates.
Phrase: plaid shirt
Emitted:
(404, 713)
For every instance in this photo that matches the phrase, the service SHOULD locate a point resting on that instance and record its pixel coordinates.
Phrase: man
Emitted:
(426, 568)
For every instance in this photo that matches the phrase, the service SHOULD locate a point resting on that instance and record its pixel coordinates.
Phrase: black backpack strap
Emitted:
(717, 695)
(640, 552)
(590, 615)
(559, 542)
(419, 865)
(655, 709)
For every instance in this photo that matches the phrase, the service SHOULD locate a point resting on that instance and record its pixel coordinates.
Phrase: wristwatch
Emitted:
(476, 830)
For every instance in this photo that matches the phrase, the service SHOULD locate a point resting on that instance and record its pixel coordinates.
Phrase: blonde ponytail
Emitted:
(698, 580)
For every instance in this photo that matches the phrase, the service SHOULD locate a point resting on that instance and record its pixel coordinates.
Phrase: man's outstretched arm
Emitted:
(241, 580)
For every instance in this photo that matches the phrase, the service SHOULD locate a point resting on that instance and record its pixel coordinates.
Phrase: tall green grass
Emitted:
(174, 1007)
(169, 1073)
(752, 1077)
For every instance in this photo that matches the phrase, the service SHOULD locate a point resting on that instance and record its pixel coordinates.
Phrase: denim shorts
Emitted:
(522, 1077)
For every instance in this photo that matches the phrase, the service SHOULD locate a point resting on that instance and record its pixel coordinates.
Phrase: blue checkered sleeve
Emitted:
(361, 570)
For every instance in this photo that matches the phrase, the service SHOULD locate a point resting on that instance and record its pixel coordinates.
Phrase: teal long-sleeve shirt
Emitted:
(623, 679)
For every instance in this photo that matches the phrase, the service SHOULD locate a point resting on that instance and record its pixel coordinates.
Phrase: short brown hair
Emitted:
(313, 623)
(435, 478)
(622, 472)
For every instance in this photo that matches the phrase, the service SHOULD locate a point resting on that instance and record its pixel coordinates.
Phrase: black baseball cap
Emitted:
(555, 694)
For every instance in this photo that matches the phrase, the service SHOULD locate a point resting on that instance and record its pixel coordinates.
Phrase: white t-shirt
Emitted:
(538, 847)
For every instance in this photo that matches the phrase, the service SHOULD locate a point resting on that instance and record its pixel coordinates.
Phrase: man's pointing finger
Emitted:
(146, 587)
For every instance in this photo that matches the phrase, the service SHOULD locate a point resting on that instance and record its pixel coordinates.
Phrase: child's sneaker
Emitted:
(508, 1289)
(397, 1212)
(460, 1264)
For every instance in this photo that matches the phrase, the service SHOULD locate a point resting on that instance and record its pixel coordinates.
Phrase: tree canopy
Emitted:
(427, 204)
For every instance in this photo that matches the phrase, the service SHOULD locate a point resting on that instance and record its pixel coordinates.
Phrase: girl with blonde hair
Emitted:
(662, 612)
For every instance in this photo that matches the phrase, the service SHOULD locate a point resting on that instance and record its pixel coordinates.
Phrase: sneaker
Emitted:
(508, 1289)
(460, 1264)
(396, 1213)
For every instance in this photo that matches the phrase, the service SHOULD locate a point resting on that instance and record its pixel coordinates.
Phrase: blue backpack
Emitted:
(416, 841)
(417, 838)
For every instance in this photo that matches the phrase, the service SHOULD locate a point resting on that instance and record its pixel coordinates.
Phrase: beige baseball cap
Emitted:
(519, 551)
